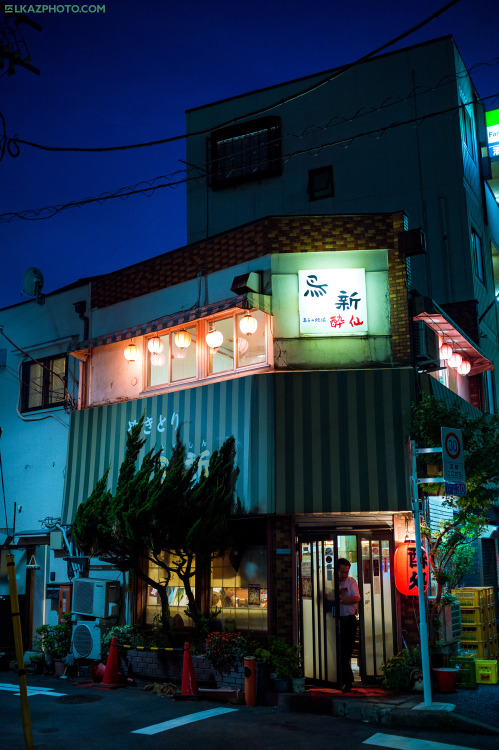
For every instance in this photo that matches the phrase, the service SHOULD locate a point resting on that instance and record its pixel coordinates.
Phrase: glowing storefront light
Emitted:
(182, 339)
(332, 302)
(446, 351)
(248, 324)
(155, 345)
(130, 352)
(464, 367)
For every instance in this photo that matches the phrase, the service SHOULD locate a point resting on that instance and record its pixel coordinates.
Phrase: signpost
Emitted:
(454, 477)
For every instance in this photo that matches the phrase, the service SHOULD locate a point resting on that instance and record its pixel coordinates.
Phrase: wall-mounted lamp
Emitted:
(455, 360)
(248, 324)
(464, 367)
(214, 338)
(182, 339)
(155, 345)
(446, 351)
(130, 352)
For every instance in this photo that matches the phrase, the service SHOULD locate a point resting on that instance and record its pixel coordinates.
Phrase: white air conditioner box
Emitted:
(95, 598)
(86, 640)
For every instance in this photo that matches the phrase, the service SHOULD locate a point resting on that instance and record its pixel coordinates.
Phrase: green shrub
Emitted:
(397, 671)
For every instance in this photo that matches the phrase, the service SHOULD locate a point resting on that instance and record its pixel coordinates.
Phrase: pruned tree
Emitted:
(450, 543)
(168, 516)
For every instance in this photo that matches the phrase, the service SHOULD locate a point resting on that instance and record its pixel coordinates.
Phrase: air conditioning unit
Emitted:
(95, 598)
(427, 347)
(86, 640)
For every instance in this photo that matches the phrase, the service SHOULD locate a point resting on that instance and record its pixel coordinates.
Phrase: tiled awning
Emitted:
(428, 311)
(244, 301)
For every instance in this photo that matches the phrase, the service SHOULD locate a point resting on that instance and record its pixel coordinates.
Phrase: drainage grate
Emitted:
(83, 698)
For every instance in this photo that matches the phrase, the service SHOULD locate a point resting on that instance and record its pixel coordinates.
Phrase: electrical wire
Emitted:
(346, 142)
(13, 143)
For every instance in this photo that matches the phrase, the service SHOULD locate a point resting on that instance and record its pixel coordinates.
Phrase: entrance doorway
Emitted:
(370, 556)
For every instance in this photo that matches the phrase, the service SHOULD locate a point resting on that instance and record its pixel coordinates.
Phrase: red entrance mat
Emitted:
(355, 692)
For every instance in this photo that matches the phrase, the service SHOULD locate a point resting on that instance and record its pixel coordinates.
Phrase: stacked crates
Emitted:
(478, 620)
(466, 675)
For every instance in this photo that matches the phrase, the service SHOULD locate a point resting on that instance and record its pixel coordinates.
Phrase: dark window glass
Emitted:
(43, 383)
(477, 253)
(246, 152)
(320, 183)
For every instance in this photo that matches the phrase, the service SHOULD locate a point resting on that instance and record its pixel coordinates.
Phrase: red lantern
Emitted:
(406, 574)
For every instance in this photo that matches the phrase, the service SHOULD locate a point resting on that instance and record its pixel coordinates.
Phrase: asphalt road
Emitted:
(64, 714)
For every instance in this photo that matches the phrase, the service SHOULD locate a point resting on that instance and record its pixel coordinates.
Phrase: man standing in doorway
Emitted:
(349, 598)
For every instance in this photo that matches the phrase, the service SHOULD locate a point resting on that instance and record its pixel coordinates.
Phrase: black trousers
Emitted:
(348, 631)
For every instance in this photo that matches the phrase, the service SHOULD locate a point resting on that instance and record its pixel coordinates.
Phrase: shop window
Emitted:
(249, 151)
(239, 589)
(320, 183)
(43, 383)
(196, 361)
(177, 598)
(174, 363)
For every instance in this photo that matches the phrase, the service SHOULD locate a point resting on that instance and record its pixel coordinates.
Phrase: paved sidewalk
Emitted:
(475, 711)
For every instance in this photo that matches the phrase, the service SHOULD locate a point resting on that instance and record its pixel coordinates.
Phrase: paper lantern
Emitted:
(157, 360)
(214, 339)
(464, 367)
(182, 339)
(455, 360)
(248, 324)
(130, 352)
(446, 351)
(406, 574)
(155, 345)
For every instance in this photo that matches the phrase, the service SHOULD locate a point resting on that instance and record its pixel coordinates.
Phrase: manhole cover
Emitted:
(86, 698)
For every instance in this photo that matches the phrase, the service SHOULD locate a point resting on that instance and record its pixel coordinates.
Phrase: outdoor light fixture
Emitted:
(182, 339)
(455, 360)
(464, 367)
(130, 352)
(446, 351)
(155, 345)
(214, 338)
(248, 324)
(158, 359)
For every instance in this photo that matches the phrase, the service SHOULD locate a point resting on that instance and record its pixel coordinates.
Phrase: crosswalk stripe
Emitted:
(409, 743)
(182, 720)
(30, 690)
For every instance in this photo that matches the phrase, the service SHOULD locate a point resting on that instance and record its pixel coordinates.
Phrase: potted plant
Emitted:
(284, 660)
(55, 642)
(403, 671)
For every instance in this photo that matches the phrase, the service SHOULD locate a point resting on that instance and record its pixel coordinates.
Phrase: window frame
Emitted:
(203, 374)
(468, 128)
(268, 166)
(315, 194)
(27, 383)
(478, 257)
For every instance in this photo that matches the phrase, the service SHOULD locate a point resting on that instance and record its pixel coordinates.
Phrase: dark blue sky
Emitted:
(127, 76)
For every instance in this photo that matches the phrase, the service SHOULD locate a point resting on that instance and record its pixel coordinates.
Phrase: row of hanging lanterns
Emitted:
(454, 359)
(214, 338)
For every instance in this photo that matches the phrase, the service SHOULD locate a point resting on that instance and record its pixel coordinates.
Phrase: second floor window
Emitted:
(43, 383)
(477, 256)
(246, 152)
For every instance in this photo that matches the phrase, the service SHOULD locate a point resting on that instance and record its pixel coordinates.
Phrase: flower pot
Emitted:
(446, 679)
(59, 667)
(298, 684)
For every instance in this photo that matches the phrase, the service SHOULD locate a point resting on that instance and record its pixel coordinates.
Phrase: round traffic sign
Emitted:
(452, 445)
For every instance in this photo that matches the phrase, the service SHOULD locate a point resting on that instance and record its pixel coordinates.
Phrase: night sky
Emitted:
(127, 76)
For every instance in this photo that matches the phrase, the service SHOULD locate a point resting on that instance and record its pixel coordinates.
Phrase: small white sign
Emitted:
(332, 302)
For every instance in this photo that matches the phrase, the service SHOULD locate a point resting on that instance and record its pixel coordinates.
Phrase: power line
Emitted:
(33, 214)
(12, 144)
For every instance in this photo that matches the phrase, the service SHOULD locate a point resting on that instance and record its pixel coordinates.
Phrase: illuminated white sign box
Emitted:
(332, 302)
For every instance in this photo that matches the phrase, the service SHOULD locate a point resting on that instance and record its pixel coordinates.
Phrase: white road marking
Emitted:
(30, 690)
(409, 743)
(173, 723)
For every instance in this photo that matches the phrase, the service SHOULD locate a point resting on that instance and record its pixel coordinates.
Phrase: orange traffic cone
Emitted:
(189, 687)
(110, 679)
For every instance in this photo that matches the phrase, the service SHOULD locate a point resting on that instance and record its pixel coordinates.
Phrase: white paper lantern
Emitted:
(248, 324)
(214, 339)
(446, 351)
(155, 345)
(464, 367)
(455, 360)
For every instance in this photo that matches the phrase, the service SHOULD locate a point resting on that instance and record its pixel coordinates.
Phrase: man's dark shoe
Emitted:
(346, 688)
